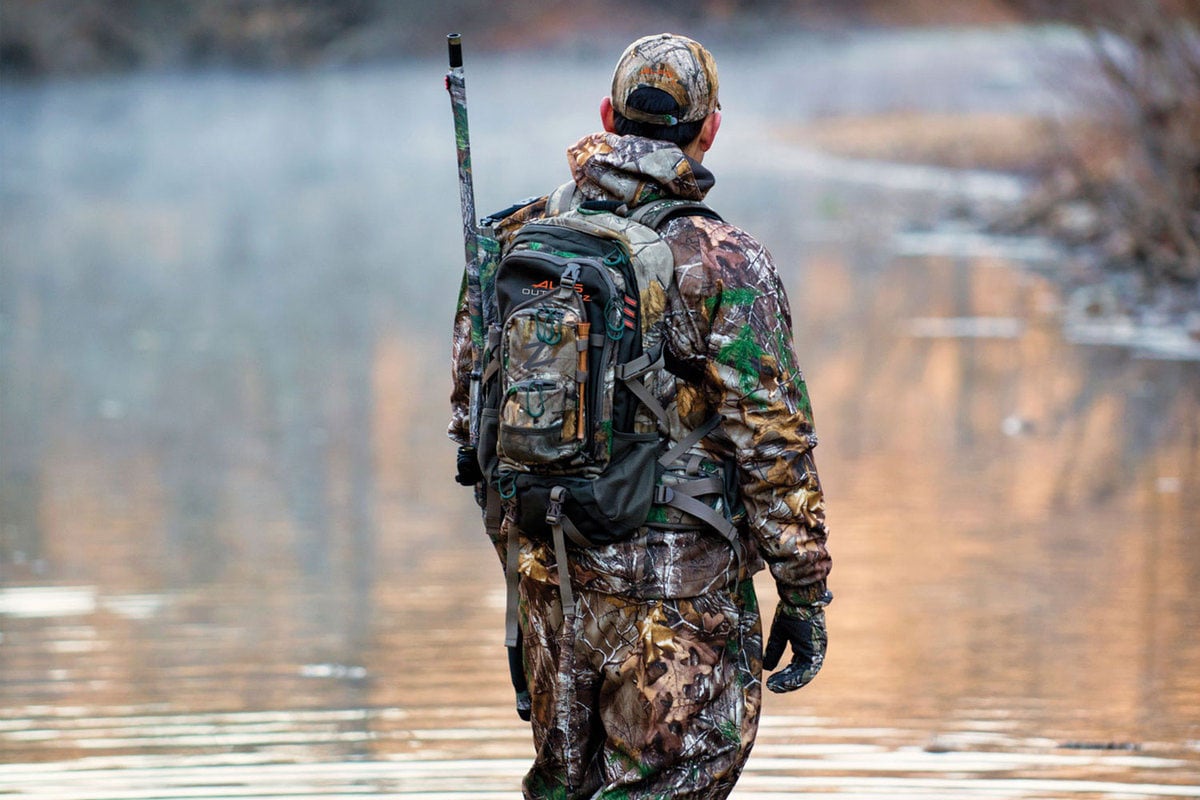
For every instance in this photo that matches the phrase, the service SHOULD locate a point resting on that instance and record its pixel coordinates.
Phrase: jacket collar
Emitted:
(635, 170)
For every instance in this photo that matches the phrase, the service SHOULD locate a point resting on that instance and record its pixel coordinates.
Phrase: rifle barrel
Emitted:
(456, 86)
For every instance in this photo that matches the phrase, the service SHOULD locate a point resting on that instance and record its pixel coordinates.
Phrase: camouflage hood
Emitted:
(635, 170)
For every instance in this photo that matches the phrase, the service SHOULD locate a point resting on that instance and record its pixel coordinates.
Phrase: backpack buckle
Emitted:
(554, 507)
(570, 278)
(663, 495)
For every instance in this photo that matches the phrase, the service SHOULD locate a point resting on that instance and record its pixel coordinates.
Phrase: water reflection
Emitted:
(232, 557)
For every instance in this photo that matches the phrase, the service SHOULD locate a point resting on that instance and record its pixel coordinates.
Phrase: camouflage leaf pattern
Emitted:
(538, 408)
(727, 326)
(461, 364)
(653, 688)
(674, 64)
(635, 170)
(729, 320)
(642, 699)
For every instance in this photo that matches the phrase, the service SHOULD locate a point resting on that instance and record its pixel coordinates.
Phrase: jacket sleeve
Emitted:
(743, 343)
(460, 361)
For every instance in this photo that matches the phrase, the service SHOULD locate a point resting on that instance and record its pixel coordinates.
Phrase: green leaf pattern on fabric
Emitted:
(745, 355)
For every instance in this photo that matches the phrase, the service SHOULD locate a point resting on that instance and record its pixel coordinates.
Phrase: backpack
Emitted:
(570, 428)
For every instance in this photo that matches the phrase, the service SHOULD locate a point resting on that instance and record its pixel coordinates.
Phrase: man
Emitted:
(652, 688)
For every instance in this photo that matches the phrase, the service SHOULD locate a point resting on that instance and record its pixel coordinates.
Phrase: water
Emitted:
(233, 561)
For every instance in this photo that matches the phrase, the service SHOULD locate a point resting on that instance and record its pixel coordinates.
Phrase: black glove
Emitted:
(469, 473)
(803, 627)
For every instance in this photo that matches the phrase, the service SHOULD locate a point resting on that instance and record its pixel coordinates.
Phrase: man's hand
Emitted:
(803, 627)
(469, 473)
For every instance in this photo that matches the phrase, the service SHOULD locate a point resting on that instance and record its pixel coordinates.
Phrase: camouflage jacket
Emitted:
(729, 340)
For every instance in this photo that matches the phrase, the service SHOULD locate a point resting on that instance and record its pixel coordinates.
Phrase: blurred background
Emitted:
(233, 562)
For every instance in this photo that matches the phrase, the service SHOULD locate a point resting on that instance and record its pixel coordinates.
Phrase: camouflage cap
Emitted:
(673, 64)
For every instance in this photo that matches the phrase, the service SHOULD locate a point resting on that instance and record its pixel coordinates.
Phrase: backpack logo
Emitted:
(541, 287)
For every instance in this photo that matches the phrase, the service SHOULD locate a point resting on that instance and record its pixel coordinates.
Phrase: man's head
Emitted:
(665, 87)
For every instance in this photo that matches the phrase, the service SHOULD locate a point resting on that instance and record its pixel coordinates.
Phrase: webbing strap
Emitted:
(700, 511)
(564, 572)
(656, 213)
(493, 349)
(559, 201)
(639, 366)
(574, 533)
(555, 519)
(492, 368)
(639, 390)
(685, 444)
(493, 511)
(512, 578)
(696, 487)
(630, 374)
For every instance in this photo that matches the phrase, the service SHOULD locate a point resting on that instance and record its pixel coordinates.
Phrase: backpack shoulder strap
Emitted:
(658, 213)
(561, 200)
(493, 220)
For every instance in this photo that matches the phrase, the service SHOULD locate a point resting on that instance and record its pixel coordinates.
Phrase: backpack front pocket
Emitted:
(538, 422)
(542, 408)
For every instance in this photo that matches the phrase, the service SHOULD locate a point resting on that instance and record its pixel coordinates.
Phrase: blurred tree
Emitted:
(77, 36)
(1138, 166)
(80, 36)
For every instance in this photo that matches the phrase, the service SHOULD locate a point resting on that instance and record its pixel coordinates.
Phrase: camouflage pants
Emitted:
(639, 699)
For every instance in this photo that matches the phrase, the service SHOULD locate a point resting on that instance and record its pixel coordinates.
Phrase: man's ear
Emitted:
(708, 133)
(606, 115)
(696, 148)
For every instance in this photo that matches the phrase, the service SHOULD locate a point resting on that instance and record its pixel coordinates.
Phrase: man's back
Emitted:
(649, 682)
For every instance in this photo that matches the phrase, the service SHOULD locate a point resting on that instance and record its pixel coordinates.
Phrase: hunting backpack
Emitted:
(570, 429)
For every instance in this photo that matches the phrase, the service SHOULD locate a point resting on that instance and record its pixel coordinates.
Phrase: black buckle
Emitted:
(611, 206)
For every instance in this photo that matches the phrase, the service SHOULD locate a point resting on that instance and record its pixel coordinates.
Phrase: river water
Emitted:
(232, 560)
